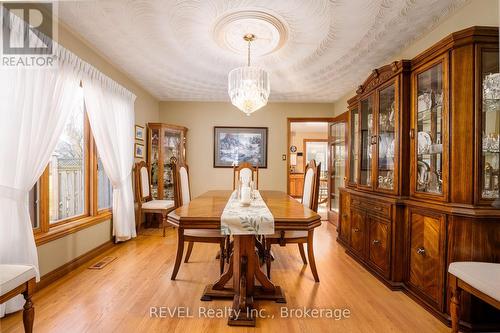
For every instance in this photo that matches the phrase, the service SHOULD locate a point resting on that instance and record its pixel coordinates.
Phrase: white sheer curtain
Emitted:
(34, 105)
(110, 109)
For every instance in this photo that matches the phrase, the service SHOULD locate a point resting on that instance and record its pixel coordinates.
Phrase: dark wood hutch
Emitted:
(422, 186)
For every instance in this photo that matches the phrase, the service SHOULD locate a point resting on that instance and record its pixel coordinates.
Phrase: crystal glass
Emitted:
(490, 124)
(366, 140)
(248, 88)
(429, 130)
(386, 139)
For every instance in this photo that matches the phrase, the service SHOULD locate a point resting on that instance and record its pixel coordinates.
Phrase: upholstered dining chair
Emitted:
(182, 195)
(245, 172)
(145, 202)
(300, 237)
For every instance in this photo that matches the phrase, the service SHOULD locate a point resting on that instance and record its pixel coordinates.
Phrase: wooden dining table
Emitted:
(205, 211)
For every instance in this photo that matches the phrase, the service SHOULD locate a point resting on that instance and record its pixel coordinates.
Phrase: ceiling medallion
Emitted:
(248, 86)
(271, 30)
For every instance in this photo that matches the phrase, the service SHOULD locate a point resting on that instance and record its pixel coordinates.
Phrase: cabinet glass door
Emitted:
(429, 132)
(490, 125)
(354, 147)
(155, 166)
(386, 138)
(337, 167)
(366, 141)
(171, 149)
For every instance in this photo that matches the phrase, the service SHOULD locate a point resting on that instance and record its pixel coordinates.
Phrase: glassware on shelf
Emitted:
(367, 140)
(429, 148)
(386, 138)
(490, 122)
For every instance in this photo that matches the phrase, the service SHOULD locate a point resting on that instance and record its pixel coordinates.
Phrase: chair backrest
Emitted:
(182, 192)
(142, 182)
(246, 172)
(311, 185)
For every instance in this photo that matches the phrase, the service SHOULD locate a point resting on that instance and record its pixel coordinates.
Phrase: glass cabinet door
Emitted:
(171, 150)
(354, 147)
(429, 130)
(366, 141)
(155, 166)
(490, 123)
(337, 167)
(386, 138)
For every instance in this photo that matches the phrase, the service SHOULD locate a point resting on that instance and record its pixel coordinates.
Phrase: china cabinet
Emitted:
(423, 171)
(337, 141)
(166, 143)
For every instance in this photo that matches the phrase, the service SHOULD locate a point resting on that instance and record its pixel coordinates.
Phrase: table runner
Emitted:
(255, 219)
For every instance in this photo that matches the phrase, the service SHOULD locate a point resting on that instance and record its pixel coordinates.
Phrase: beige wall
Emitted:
(475, 13)
(201, 117)
(63, 250)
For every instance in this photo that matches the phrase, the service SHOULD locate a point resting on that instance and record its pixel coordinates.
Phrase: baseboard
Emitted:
(61, 271)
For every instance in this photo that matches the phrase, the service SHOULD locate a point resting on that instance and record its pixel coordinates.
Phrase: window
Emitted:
(104, 188)
(73, 192)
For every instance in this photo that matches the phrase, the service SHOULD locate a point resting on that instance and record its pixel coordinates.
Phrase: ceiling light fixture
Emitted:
(248, 86)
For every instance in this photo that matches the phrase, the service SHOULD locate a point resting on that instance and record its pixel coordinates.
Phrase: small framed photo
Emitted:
(139, 132)
(139, 150)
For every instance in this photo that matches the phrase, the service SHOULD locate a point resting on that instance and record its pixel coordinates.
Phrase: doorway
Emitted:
(308, 139)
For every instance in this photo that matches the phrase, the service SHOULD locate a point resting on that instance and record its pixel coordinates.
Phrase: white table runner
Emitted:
(255, 219)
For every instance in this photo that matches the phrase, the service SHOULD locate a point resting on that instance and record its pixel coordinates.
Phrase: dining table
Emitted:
(249, 283)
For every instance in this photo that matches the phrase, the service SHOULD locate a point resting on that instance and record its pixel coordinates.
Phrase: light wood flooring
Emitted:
(118, 298)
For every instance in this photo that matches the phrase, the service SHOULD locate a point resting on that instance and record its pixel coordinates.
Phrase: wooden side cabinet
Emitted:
(296, 184)
(426, 255)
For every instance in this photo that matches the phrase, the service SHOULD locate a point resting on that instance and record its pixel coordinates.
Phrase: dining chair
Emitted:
(300, 237)
(182, 196)
(145, 202)
(245, 172)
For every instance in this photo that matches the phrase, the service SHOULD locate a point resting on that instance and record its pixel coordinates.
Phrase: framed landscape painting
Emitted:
(235, 145)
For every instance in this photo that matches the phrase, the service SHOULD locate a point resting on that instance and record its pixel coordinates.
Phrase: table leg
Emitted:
(244, 269)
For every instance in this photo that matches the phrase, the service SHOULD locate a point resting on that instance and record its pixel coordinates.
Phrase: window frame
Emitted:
(47, 231)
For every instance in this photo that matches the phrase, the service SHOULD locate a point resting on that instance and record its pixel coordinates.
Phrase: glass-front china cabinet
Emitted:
(166, 143)
(337, 141)
(423, 170)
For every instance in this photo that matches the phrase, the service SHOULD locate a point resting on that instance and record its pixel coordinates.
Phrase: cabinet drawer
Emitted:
(344, 217)
(372, 207)
(426, 260)
(379, 245)
(358, 232)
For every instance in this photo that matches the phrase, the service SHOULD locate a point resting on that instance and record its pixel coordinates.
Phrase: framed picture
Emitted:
(139, 150)
(234, 145)
(139, 132)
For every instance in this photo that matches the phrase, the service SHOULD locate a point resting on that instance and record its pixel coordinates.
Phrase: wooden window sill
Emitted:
(71, 227)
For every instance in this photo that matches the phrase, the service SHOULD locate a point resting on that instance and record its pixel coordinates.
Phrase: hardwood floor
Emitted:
(118, 297)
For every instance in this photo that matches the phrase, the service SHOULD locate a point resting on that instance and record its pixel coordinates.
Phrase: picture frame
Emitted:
(235, 145)
(139, 132)
(139, 150)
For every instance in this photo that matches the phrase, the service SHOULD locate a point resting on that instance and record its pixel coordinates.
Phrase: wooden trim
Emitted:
(61, 271)
(289, 121)
(71, 227)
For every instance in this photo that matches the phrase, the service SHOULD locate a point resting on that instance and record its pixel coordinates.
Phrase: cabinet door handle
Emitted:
(373, 140)
(376, 242)
(421, 251)
(355, 229)
(345, 216)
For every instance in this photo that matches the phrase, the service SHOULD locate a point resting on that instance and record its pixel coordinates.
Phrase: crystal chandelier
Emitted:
(248, 86)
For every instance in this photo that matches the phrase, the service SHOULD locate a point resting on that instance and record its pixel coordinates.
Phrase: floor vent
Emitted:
(102, 263)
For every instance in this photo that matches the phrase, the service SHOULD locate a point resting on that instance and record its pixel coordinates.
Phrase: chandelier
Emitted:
(248, 86)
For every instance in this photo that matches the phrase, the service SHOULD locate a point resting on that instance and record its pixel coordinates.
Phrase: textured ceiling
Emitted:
(315, 51)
